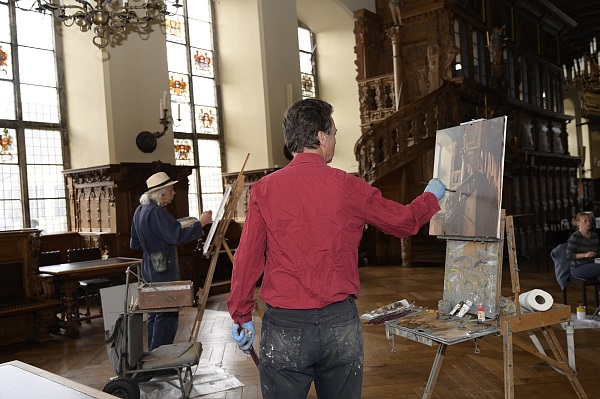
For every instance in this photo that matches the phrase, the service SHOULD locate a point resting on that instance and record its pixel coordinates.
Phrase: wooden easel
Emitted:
(215, 248)
(507, 325)
(528, 322)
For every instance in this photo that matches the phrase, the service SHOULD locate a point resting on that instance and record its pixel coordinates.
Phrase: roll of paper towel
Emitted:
(536, 300)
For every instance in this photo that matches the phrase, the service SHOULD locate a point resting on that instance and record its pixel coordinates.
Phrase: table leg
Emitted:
(69, 288)
(435, 371)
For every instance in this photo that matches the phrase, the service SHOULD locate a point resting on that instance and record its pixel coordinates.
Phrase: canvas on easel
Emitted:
(469, 159)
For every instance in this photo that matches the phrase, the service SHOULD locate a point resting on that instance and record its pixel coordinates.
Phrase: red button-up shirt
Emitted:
(302, 231)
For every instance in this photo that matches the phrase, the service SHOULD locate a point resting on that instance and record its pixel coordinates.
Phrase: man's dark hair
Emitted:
(303, 120)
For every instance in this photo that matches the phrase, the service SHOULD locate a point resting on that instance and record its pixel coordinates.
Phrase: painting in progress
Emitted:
(470, 159)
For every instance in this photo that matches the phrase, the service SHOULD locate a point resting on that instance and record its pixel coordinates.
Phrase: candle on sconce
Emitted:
(161, 109)
(164, 100)
(565, 71)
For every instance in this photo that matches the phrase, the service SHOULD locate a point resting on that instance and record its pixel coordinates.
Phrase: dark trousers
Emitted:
(161, 328)
(324, 345)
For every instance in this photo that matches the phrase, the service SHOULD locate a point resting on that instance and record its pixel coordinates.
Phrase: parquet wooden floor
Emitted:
(403, 374)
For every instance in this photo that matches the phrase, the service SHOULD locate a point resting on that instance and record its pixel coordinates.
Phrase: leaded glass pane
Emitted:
(10, 203)
(175, 28)
(46, 186)
(210, 153)
(7, 103)
(35, 30)
(179, 87)
(306, 65)
(171, 9)
(206, 120)
(200, 34)
(184, 152)
(37, 67)
(198, 9)
(45, 181)
(305, 40)
(183, 117)
(177, 58)
(4, 24)
(203, 62)
(40, 104)
(49, 215)
(6, 71)
(44, 147)
(9, 153)
(211, 201)
(204, 91)
(193, 194)
(308, 85)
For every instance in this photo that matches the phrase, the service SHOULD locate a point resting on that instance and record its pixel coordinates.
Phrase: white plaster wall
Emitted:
(333, 25)
(86, 110)
(136, 77)
(241, 81)
(112, 95)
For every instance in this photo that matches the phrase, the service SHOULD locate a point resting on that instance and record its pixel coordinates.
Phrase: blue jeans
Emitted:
(324, 345)
(161, 328)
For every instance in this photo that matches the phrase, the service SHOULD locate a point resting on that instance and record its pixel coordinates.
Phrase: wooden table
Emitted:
(21, 380)
(69, 275)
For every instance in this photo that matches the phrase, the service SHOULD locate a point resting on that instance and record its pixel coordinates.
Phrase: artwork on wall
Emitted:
(469, 159)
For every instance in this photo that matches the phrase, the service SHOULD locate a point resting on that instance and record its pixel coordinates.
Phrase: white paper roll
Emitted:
(536, 300)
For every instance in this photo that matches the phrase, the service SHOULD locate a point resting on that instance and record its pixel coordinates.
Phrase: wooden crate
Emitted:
(170, 294)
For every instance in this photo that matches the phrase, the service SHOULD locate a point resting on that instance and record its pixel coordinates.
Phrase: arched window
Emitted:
(32, 126)
(308, 69)
(193, 89)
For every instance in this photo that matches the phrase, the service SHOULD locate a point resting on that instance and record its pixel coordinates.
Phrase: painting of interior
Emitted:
(469, 159)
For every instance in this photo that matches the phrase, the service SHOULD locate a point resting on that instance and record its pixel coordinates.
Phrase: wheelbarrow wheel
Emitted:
(123, 387)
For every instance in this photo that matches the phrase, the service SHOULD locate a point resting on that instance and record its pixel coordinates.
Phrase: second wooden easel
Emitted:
(218, 242)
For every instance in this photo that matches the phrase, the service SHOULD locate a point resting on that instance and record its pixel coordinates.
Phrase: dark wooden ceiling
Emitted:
(576, 40)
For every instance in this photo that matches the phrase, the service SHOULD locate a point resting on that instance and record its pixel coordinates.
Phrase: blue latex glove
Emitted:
(244, 336)
(436, 187)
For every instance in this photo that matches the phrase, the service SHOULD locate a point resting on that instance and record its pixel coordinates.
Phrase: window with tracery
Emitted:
(308, 69)
(32, 127)
(194, 105)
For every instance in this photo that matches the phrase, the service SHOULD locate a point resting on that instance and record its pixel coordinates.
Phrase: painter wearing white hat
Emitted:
(157, 233)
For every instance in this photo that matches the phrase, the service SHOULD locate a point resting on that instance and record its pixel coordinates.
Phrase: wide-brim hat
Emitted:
(159, 180)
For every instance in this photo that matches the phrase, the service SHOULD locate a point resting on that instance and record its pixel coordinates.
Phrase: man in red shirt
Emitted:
(302, 232)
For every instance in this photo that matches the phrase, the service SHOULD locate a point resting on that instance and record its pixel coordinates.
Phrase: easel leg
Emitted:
(560, 356)
(509, 386)
(435, 371)
(571, 345)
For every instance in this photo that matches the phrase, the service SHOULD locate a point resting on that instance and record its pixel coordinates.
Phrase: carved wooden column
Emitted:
(394, 35)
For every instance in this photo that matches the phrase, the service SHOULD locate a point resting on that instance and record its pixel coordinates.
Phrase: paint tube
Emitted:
(465, 308)
(458, 306)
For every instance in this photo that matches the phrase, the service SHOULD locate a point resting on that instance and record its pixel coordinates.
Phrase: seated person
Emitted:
(583, 247)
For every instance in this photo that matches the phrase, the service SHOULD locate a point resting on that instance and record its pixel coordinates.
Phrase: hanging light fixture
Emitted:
(106, 17)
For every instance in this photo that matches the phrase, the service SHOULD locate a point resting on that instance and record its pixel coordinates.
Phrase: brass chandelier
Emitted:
(105, 17)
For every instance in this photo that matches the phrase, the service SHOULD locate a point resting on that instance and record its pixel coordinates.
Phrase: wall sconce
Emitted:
(146, 141)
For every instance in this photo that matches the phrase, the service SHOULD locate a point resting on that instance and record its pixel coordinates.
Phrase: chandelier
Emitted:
(106, 17)
(585, 72)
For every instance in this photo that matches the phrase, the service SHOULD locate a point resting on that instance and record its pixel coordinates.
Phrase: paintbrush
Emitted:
(447, 189)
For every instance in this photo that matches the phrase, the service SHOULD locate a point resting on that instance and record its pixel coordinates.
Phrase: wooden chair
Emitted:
(88, 289)
(562, 268)
(49, 258)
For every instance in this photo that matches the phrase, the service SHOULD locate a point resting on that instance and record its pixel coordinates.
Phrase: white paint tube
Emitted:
(465, 308)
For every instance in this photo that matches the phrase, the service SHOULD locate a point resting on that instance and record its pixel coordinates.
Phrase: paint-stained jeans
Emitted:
(299, 346)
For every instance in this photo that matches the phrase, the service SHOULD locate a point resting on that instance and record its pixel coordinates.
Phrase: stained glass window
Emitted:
(306, 44)
(31, 159)
(191, 63)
